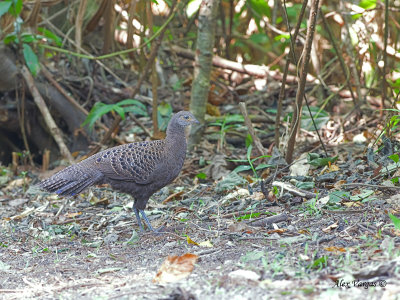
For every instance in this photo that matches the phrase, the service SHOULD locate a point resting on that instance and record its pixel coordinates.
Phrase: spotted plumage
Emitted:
(139, 169)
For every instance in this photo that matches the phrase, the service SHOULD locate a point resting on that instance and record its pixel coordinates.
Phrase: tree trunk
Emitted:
(203, 64)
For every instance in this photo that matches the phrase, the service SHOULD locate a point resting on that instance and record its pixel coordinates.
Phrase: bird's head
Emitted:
(184, 118)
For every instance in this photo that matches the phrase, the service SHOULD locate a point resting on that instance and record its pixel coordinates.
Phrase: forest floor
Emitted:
(330, 248)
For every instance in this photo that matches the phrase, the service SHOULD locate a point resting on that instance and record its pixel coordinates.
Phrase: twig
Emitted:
(302, 83)
(249, 125)
(267, 221)
(50, 78)
(384, 71)
(285, 73)
(79, 23)
(41, 104)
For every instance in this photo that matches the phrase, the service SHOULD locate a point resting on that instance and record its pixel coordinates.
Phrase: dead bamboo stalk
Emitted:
(54, 130)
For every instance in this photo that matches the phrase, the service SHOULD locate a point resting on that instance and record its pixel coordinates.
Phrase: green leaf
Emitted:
(248, 155)
(259, 38)
(260, 8)
(248, 216)
(394, 157)
(16, 9)
(119, 111)
(10, 38)
(315, 160)
(320, 262)
(164, 112)
(131, 102)
(263, 166)
(367, 4)
(31, 59)
(306, 185)
(28, 38)
(134, 106)
(338, 196)
(51, 36)
(201, 176)
(97, 111)
(364, 195)
(242, 168)
(4, 7)
(395, 220)
(249, 140)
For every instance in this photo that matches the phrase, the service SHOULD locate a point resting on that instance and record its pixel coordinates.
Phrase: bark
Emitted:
(203, 64)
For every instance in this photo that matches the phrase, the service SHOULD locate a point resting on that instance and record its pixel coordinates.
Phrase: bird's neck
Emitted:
(176, 139)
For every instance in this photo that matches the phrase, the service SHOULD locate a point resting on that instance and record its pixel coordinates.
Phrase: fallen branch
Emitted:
(268, 221)
(253, 70)
(54, 130)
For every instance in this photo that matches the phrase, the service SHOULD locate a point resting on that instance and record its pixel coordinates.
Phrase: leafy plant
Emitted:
(23, 40)
(250, 163)
(225, 125)
(121, 108)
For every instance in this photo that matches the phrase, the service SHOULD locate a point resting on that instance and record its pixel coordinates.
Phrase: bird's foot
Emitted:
(139, 212)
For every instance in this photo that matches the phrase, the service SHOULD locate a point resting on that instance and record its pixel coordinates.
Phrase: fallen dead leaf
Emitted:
(172, 196)
(175, 268)
(17, 183)
(330, 228)
(335, 249)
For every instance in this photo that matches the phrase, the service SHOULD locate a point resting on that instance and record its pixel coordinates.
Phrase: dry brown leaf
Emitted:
(17, 183)
(330, 228)
(175, 268)
(333, 168)
(172, 196)
(339, 184)
(72, 215)
(279, 231)
(335, 249)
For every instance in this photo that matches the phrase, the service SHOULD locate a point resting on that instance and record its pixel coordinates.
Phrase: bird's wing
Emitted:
(131, 162)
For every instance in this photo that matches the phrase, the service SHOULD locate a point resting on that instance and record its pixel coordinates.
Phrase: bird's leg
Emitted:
(146, 220)
(138, 219)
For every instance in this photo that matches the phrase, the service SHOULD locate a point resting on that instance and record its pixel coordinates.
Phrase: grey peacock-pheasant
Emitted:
(139, 169)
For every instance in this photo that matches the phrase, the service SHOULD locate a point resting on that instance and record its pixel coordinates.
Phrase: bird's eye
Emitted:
(186, 117)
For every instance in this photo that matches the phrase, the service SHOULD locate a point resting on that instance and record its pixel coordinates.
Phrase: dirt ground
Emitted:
(77, 248)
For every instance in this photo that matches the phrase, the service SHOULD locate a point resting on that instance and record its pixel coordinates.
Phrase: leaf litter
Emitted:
(214, 243)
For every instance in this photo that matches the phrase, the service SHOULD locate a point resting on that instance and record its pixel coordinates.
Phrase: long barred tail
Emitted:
(70, 181)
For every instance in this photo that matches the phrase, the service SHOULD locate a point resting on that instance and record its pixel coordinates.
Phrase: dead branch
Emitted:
(54, 130)
(302, 82)
(253, 70)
